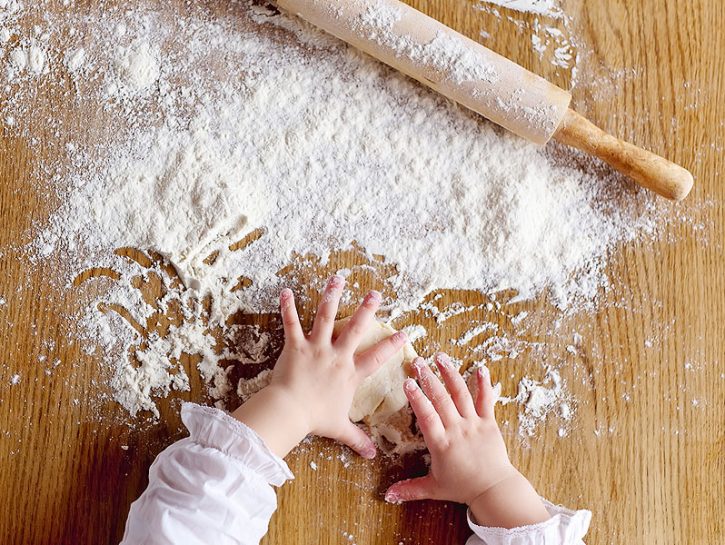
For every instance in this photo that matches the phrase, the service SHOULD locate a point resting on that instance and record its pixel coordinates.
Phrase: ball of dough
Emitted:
(381, 394)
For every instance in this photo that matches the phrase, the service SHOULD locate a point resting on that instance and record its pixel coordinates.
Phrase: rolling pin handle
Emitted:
(644, 167)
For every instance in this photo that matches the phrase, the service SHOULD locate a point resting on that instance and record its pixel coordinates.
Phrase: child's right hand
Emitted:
(316, 376)
(469, 462)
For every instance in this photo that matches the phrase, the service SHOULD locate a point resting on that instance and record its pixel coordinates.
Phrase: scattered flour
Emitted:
(551, 32)
(31, 58)
(447, 53)
(136, 69)
(246, 388)
(211, 128)
(75, 58)
(36, 59)
(541, 7)
(539, 399)
(19, 58)
(516, 320)
(415, 332)
(474, 332)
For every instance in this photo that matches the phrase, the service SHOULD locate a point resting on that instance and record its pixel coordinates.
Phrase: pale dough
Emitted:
(381, 394)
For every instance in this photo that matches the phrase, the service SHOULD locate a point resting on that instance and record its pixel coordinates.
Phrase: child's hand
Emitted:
(469, 462)
(468, 455)
(315, 379)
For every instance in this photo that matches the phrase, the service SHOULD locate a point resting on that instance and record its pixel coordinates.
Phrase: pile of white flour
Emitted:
(216, 120)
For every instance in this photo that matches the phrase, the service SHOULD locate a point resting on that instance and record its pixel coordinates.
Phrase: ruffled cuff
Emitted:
(212, 428)
(565, 527)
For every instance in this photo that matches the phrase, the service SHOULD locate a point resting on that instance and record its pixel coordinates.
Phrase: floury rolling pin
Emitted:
(495, 87)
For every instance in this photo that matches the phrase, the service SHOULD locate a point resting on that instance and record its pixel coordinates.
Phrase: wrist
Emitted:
(510, 502)
(289, 410)
(504, 474)
(276, 417)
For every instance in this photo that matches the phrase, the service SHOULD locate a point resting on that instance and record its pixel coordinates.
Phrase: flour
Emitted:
(211, 128)
(497, 206)
(36, 59)
(19, 58)
(539, 399)
(154, 374)
(136, 69)
(474, 332)
(380, 16)
(454, 310)
(11, 6)
(541, 7)
(415, 332)
(447, 54)
(247, 388)
(551, 32)
(74, 59)
(32, 58)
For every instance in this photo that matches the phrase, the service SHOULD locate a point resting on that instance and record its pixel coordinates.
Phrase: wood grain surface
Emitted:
(645, 450)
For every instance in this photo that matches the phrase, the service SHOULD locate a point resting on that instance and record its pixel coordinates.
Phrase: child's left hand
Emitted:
(315, 378)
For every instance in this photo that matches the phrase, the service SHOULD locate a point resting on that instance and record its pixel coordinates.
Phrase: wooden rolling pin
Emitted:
(476, 77)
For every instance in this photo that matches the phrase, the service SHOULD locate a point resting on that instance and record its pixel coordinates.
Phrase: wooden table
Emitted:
(645, 450)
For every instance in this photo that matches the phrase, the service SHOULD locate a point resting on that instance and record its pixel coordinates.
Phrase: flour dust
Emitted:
(227, 140)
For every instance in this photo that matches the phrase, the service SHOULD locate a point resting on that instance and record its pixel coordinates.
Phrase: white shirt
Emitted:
(215, 487)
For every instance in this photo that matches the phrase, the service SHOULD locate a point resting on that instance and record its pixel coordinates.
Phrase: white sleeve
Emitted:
(214, 487)
(565, 527)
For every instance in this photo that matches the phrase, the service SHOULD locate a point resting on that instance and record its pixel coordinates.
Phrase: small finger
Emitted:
(425, 414)
(290, 319)
(371, 359)
(485, 396)
(358, 440)
(422, 488)
(326, 312)
(436, 392)
(456, 386)
(359, 323)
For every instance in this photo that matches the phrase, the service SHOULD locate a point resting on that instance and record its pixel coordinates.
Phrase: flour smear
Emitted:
(215, 121)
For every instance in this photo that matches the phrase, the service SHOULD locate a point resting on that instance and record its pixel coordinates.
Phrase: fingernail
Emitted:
(369, 452)
(401, 337)
(484, 371)
(443, 359)
(418, 365)
(372, 298)
(336, 281)
(392, 497)
(285, 299)
(409, 384)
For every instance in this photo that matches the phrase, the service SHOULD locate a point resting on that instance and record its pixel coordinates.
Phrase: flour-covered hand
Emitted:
(469, 462)
(315, 378)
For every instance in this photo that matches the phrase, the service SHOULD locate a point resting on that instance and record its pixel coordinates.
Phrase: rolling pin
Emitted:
(483, 81)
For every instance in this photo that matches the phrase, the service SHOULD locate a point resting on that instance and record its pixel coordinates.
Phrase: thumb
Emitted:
(422, 488)
(357, 440)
